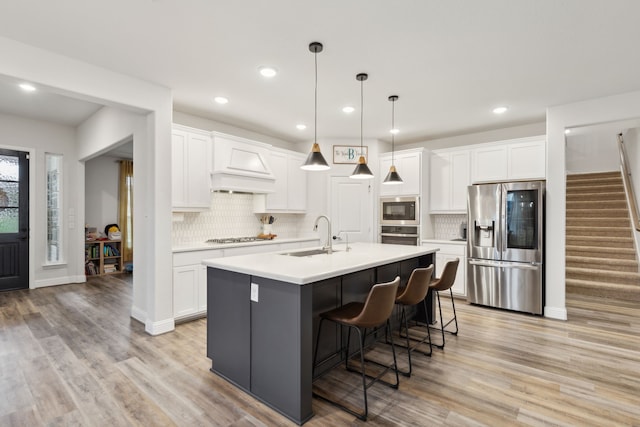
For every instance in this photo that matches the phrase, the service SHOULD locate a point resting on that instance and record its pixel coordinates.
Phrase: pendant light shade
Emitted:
(315, 160)
(361, 171)
(393, 177)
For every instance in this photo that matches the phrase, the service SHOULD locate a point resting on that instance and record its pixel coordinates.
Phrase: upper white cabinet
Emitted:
(290, 193)
(409, 166)
(190, 169)
(449, 178)
(516, 159)
(527, 160)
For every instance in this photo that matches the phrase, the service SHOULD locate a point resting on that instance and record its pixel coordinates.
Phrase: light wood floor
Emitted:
(70, 355)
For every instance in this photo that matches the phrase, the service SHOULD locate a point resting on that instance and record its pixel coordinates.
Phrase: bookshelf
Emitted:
(102, 257)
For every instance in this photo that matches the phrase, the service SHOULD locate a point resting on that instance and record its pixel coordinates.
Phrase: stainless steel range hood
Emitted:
(241, 165)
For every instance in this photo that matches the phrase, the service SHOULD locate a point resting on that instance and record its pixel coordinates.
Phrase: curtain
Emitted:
(125, 214)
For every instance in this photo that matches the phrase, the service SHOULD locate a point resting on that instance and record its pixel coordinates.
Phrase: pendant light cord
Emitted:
(315, 101)
(393, 128)
(361, 114)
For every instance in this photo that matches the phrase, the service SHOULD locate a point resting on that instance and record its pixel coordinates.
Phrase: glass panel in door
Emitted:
(522, 219)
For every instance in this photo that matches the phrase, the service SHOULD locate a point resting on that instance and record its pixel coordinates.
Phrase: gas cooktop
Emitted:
(233, 240)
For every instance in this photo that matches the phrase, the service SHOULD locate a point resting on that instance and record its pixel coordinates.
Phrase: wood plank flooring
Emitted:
(71, 355)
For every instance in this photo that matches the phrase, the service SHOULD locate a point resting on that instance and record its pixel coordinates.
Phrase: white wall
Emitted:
(212, 125)
(523, 131)
(592, 152)
(102, 176)
(631, 140)
(39, 137)
(600, 110)
(152, 160)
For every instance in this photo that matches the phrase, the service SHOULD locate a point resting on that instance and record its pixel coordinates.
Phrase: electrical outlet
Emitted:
(254, 292)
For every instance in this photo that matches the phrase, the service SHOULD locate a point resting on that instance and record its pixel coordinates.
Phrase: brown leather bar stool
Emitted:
(373, 313)
(444, 283)
(413, 294)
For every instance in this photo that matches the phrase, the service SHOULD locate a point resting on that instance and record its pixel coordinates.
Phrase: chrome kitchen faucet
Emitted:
(328, 246)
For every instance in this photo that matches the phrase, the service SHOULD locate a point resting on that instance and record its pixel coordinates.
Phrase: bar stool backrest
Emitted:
(417, 287)
(378, 306)
(448, 276)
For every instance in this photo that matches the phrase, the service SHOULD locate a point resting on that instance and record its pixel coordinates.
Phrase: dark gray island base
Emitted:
(262, 341)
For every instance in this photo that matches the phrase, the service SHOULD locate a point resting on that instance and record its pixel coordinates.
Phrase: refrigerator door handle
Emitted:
(522, 266)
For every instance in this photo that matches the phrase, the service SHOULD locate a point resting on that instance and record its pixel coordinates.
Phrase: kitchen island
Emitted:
(263, 314)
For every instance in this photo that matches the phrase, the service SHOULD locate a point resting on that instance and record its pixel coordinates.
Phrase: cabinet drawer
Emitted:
(195, 257)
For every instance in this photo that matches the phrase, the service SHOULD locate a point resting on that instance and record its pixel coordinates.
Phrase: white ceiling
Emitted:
(450, 62)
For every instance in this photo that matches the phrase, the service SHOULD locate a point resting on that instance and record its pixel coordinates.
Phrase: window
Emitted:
(54, 208)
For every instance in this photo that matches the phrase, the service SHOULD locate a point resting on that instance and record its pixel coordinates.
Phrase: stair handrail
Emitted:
(628, 184)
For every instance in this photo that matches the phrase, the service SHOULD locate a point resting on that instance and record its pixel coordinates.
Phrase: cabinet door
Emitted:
(198, 171)
(202, 289)
(459, 285)
(527, 160)
(410, 170)
(178, 171)
(185, 290)
(278, 199)
(490, 164)
(297, 184)
(387, 190)
(459, 180)
(440, 182)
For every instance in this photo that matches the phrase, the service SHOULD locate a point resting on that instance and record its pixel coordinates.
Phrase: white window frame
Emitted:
(59, 253)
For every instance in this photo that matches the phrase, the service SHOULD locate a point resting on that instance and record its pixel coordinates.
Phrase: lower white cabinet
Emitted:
(190, 283)
(449, 252)
(190, 275)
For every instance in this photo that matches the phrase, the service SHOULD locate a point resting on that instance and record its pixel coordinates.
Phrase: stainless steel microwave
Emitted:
(400, 210)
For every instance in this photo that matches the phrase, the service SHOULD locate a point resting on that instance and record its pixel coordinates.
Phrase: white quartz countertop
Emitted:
(205, 246)
(309, 269)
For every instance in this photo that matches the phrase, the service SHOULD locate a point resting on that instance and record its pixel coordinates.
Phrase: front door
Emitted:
(14, 220)
(352, 208)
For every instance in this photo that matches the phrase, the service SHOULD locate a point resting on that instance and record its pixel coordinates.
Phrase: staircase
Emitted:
(600, 255)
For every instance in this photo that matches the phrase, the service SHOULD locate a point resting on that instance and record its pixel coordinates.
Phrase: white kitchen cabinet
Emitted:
(190, 169)
(490, 163)
(449, 252)
(409, 166)
(527, 160)
(190, 283)
(190, 275)
(290, 195)
(449, 178)
(511, 160)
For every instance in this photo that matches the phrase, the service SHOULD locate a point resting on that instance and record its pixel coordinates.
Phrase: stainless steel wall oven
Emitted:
(400, 234)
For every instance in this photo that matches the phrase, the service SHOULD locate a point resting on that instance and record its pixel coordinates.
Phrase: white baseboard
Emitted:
(161, 327)
(56, 281)
(559, 313)
(138, 314)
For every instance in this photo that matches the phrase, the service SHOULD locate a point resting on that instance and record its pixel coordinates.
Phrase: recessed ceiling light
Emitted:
(394, 131)
(500, 110)
(268, 71)
(221, 99)
(348, 110)
(301, 126)
(27, 87)
(567, 131)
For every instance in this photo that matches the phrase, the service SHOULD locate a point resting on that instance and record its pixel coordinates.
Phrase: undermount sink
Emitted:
(310, 252)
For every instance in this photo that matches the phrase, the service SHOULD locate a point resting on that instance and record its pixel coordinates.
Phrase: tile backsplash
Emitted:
(447, 227)
(231, 215)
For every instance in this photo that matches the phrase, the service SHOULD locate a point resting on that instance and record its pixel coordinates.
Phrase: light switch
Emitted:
(254, 292)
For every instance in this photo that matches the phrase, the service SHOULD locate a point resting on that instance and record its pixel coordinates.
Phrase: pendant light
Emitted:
(393, 177)
(315, 161)
(361, 171)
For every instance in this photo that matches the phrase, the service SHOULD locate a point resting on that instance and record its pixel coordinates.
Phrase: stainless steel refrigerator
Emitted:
(505, 242)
